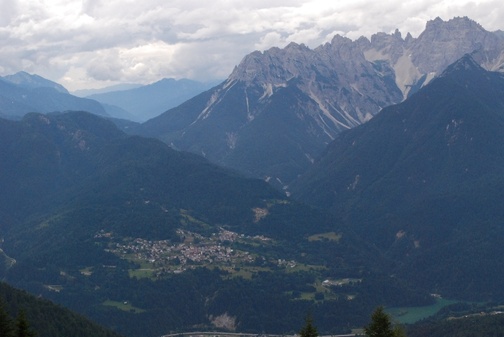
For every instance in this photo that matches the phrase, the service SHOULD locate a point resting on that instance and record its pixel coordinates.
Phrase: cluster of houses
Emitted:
(194, 250)
(164, 256)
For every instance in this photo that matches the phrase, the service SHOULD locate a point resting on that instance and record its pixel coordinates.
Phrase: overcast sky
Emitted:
(96, 43)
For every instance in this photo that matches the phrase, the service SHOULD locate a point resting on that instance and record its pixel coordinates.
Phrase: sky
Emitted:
(84, 44)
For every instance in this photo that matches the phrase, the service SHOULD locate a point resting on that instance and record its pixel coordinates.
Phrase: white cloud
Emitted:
(91, 43)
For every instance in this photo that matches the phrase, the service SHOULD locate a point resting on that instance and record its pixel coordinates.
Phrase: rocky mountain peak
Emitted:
(416, 61)
(313, 94)
(443, 42)
(274, 66)
(463, 23)
(296, 47)
(457, 30)
(339, 40)
(382, 38)
(413, 59)
(408, 39)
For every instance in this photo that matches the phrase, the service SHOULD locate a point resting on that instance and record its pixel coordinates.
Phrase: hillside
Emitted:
(423, 181)
(459, 320)
(147, 240)
(47, 319)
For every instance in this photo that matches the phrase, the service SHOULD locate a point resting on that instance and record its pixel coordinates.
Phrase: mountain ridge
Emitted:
(421, 180)
(30, 81)
(323, 91)
(47, 319)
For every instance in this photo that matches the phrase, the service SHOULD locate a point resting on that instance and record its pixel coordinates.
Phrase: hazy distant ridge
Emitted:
(146, 102)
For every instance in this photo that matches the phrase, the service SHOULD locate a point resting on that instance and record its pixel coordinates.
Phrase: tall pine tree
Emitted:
(380, 325)
(308, 330)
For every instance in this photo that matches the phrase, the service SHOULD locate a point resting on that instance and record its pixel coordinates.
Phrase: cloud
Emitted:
(8, 12)
(92, 43)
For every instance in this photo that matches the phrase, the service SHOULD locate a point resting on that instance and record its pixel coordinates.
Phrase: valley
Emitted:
(328, 180)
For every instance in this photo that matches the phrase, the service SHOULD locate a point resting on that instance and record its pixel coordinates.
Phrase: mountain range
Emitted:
(22, 93)
(279, 109)
(423, 181)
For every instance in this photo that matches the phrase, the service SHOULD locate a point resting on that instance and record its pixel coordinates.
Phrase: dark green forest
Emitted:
(81, 198)
(462, 320)
(23, 315)
(423, 182)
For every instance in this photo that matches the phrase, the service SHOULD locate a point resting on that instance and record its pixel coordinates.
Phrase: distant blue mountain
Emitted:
(22, 93)
(149, 101)
(117, 87)
(24, 80)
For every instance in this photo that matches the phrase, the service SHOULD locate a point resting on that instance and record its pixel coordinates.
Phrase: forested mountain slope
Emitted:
(147, 240)
(423, 180)
(46, 319)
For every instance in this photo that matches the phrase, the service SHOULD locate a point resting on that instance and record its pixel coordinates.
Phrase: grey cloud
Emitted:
(99, 41)
(8, 12)
(91, 7)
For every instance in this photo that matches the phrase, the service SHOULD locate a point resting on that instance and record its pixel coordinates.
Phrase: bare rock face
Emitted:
(442, 43)
(347, 89)
(416, 61)
(279, 108)
(351, 80)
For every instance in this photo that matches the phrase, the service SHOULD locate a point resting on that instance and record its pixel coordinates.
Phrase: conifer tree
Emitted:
(380, 325)
(308, 330)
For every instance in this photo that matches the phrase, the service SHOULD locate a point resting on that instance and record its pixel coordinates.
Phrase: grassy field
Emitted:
(88, 271)
(331, 236)
(407, 315)
(124, 306)
(53, 287)
(142, 273)
(246, 272)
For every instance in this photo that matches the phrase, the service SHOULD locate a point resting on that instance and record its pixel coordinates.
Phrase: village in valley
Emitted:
(160, 257)
(234, 254)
